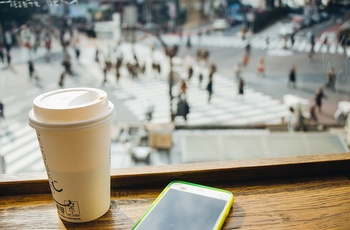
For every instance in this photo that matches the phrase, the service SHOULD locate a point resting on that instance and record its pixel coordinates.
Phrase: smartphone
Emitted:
(183, 205)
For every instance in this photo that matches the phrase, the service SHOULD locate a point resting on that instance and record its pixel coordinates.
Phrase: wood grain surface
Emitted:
(316, 200)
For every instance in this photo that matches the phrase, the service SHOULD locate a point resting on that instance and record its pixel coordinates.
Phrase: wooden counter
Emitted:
(310, 192)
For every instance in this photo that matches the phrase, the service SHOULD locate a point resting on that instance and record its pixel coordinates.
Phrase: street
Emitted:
(262, 102)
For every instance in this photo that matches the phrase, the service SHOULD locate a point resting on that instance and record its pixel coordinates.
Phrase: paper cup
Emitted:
(73, 127)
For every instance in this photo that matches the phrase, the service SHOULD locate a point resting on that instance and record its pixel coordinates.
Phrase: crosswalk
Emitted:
(20, 148)
(225, 107)
(301, 44)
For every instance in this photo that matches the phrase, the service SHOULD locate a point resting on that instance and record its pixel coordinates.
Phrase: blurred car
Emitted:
(220, 24)
(237, 18)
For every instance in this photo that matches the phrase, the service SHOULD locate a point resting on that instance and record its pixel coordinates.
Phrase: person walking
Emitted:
(313, 114)
(2, 56)
(183, 87)
(267, 42)
(241, 88)
(292, 40)
(107, 67)
(292, 77)
(200, 79)
(66, 63)
(2, 116)
(318, 98)
(331, 79)
(118, 65)
(300, 125)
(77, 52)
(245, 60)
(31, 69)
(189, 43)
(183, 109)
(210, 86)
(261, 67)
(312, 42)
(9, 61)
(97, 55)
(33, 74)
(237, 70)
(8, 39)
(47, 43)
(247, 48)
(190, 72)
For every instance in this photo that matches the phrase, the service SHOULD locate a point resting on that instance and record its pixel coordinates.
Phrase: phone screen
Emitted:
(182, 209)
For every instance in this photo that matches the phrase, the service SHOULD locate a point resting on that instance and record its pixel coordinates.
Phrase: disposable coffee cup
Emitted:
(73, 127)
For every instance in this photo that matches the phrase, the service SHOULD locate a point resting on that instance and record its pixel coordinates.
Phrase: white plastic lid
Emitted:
(70, 105)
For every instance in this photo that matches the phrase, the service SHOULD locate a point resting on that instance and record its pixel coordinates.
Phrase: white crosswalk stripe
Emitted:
(301, 44)
(20, 149)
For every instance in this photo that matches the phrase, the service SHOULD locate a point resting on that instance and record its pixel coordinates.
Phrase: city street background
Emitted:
(262, 103)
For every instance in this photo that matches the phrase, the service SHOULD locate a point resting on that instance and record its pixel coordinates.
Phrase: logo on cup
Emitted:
(72, 208)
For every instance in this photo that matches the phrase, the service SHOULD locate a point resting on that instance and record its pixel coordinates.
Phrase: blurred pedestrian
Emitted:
(183, 87)
(244, 32)
(210, 86)
(292, 77)
(200, 79)
(318, 98)
(67, 65)
(285, 41)
(331, 76)
(212, 69)
(8, 40)
(199, 35)
(107, 67)
(47, 43)
(97, 55)
(312, 42)
(2, 56)
(325, 43)
(118, 65)
(245, 59)
(2, 116)
(310, 55)
(31, 69)
(183, 109)
(9, 61)
(261, 67)
(292, 40)
(189, 44)
(300, 125)
(77, 52)
(247, 48)
(241, 88)
(190, 72)
(292, 119)
(267, 41)
(33, 73)
(67, 69)
(237, 70)
(313, 114)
